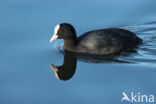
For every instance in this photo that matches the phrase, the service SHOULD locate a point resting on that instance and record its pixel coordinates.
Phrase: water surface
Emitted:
(26, 54)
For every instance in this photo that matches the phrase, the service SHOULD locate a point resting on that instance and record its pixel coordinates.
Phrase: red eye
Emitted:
(59, 31)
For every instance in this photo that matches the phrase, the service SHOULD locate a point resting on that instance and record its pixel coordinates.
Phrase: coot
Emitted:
(96, 42)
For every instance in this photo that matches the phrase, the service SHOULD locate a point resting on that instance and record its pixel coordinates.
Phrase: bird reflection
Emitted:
(67, 70)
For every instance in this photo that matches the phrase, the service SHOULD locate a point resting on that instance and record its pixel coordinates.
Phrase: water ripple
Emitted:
(147, 50)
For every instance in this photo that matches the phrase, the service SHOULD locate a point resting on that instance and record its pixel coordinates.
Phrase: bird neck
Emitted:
(70, 45)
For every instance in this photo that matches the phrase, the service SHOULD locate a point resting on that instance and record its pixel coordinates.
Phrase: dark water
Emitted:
(26, 76)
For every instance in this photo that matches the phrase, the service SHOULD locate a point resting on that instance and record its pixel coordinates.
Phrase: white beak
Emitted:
(54, 37)
(54, 67)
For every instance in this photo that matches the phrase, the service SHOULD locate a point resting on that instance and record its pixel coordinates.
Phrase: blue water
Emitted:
(26, 27)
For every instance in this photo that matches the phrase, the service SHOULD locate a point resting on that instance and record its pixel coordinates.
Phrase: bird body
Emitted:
(97, 42)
